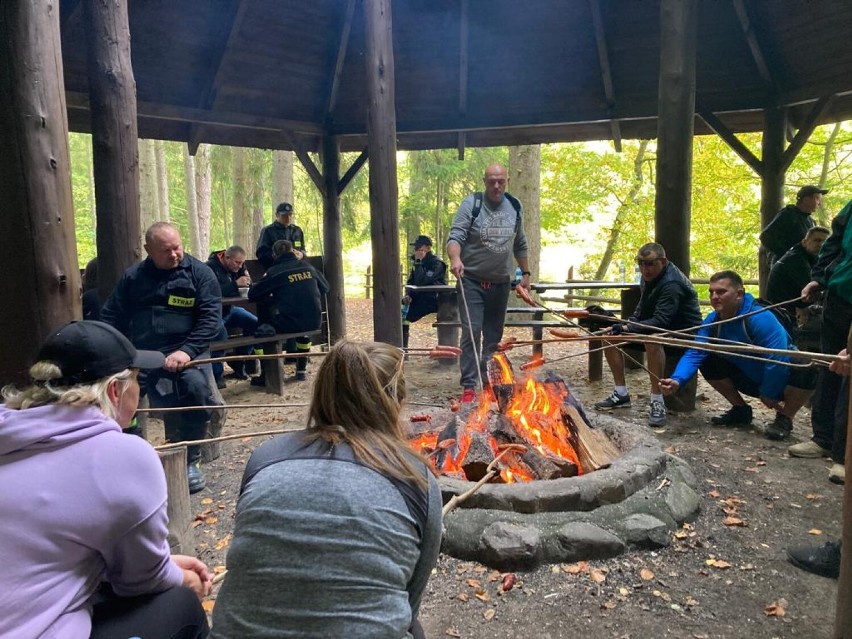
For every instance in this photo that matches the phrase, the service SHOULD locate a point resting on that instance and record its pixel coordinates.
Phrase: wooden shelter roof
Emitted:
(279, 73)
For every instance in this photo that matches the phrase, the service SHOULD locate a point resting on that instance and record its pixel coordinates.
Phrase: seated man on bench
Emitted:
(775, 384)
(667, 300)
(289, 301)
(428, 269)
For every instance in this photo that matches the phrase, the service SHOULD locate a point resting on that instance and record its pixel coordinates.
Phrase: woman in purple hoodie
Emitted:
(84, 550)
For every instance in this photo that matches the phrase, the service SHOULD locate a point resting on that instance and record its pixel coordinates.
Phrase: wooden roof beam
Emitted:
(730, 137)
(209, 96)
(353, 170)
(820, 107)
(308, 163)
(80, 102)
(606, 70)
(753, 44)
(464, 42)
(341, 58)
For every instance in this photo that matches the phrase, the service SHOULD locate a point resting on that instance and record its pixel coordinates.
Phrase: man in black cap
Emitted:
(789, 226)
(281, 229)
(428, 269)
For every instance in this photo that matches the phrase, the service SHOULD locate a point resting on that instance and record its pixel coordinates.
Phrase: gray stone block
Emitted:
(645, 531)
(682, 501)
(510, 546)
(582, 540)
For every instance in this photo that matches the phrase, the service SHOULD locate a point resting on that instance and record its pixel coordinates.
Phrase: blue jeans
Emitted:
(486, 302)
(237, 317)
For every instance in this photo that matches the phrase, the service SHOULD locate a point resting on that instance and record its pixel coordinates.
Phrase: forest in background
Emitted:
(594, 206)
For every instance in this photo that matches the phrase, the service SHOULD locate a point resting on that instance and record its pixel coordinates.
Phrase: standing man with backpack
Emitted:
(778, 386)
(487, 233)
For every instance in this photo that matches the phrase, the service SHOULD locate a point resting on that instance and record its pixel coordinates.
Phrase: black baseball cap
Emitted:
(421, 241)
(807, 191)
(285, 208)
(87, 351)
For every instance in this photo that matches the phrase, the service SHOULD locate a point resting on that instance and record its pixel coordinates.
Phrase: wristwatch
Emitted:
(525, 273)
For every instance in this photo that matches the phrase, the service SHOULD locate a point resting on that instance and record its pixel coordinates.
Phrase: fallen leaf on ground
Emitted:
(733, 521)
(462, 596)
(814, 531)
(597, 576)
(206, 501)
(647, 575)
(573, 569)
(452, 632)
(474, 583)
(714, 494)
(489, 614)
(481, 595)
(776, 608)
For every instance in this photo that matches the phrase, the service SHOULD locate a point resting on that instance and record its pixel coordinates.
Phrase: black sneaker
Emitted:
(735, 416)
(820, 560)
(301, 376)
(615, 400)
(260, 380)
(220, 383)
(779, 429)
(195, 477)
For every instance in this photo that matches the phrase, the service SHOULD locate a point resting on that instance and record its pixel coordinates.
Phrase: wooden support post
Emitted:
(333, 239)
(112, 103)
(843, 614)
(381, 134)
(772, 180)
(448, 311)
(37, 226)
(179, 508)
(675, 124)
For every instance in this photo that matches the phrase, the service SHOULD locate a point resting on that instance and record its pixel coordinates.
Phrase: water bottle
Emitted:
(405, 311)
(518, 275)
(637, 275)
(622, 270)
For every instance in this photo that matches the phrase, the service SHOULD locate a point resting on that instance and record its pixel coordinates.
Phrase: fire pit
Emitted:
(568, 487)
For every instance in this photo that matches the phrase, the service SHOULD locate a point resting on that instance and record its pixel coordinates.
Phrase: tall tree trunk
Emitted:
(91, 195)
(242, 205)
(623, 209)
(525, 184)
(191, 203)
(162, 181)
(282, 189)
(203, 178)
(827, 157)
(258, 199)
(149, 200)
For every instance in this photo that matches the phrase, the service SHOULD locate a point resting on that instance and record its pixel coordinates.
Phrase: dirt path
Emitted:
(714, 580)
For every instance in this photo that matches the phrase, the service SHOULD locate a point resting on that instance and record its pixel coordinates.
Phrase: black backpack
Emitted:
(787, 321)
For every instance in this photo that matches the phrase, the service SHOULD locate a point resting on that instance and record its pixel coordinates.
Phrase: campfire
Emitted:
(537, 429)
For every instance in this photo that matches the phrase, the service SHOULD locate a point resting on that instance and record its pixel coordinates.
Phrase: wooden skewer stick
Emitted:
(178, 409)
(224, 438)
(491, 472)
(417, 352)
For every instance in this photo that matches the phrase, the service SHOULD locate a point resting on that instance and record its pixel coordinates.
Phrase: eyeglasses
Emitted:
(647, 263)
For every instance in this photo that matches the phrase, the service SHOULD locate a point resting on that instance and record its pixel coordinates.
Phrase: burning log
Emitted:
(479, 454)
(548, 466)
(593, 447)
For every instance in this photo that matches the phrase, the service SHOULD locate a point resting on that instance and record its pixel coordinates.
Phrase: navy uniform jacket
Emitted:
(288, 296)
(178, 309)
(431, 270)
(227, 280)
(786, 229)
(271, 234)
(669, 301)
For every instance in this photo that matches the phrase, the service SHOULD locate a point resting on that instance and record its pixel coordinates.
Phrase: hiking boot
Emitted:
(808, 450)
(195, 477)
(735, 416)
(468, 396)
(837, 474)
(616, 400)
(779, 429)
(658, 414)
(821, 560)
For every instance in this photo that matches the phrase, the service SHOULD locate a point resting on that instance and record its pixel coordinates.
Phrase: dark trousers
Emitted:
(486, 303)
(173, 614)
(189, 387)
(831, 398)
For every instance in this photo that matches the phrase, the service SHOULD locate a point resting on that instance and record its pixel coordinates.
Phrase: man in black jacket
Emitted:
(791, 223)
(229, 268)
(170, 302)
(667, 300)
(428, 269)
(289, 299)
(281, 229)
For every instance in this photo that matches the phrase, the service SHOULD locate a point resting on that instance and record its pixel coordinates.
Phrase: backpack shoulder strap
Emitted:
(516, 204)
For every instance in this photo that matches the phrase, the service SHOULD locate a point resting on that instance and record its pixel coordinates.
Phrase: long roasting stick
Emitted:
(491, 471)
(178, 409)
(437, 352)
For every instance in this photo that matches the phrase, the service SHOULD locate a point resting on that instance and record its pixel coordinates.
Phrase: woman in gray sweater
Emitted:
(338, 526)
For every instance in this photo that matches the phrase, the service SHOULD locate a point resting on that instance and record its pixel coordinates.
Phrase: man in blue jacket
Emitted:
(778, 386)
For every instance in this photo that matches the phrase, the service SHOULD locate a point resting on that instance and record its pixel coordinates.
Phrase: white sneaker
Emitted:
(837, 474)
(808, 450)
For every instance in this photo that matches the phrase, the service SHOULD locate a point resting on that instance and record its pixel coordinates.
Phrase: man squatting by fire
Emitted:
(487, 232)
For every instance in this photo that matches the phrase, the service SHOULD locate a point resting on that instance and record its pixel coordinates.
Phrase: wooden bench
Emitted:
(273, 369)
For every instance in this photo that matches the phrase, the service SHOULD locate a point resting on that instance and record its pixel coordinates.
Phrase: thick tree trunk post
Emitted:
(203, 179)
(381, 136)
(772, 180)
(191, 203)
(333, 239)
(112, 99)
(675, 124)
(37, 221)
(525, 184)
(282, 187)
(843, 614)
(178, 508)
